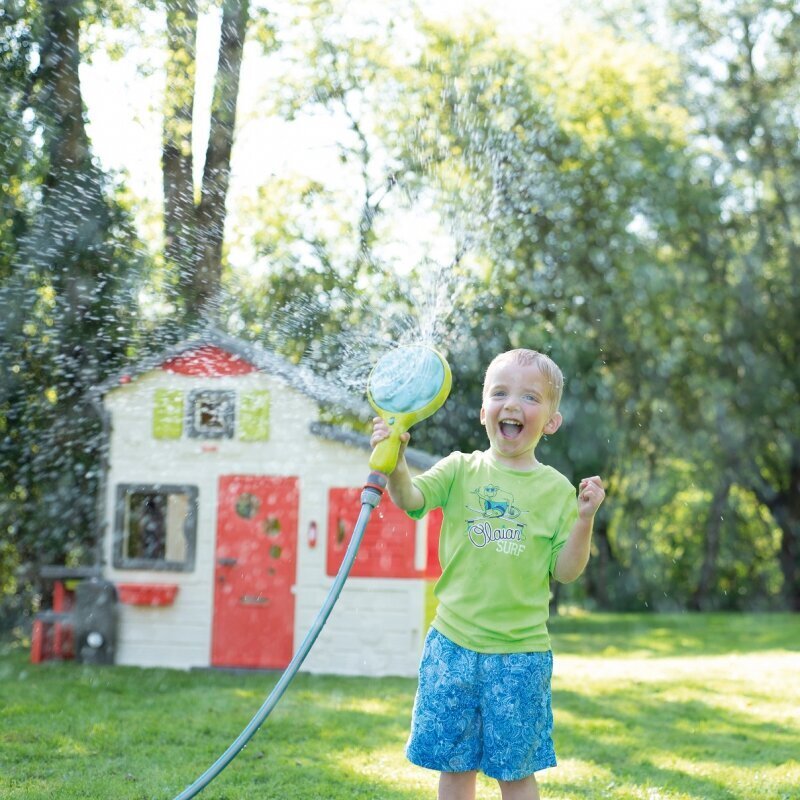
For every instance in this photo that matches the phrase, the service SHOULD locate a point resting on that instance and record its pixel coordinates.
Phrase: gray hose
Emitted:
(370, 497)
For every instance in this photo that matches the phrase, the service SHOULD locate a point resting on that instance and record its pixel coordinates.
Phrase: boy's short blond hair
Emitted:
(527, 358)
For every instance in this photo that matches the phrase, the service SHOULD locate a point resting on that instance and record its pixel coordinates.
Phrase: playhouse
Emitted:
(228, 507)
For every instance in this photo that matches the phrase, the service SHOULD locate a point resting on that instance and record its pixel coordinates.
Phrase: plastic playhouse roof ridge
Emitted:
(320, 389)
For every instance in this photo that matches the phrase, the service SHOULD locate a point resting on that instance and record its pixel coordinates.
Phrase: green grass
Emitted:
(679, 707)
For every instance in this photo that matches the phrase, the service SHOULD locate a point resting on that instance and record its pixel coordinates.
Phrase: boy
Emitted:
(483, 701)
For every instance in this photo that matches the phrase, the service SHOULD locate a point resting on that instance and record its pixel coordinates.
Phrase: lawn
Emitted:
(678, 707)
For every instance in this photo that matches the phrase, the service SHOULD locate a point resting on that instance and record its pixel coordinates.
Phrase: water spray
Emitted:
(406, 385)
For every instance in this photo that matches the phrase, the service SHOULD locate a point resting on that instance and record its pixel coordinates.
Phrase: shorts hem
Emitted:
(427, 763)
(500, 775)
(518, 776)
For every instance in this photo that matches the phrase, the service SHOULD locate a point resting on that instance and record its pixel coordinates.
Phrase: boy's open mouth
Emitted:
(510, 429)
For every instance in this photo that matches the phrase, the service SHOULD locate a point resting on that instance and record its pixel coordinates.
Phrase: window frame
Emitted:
(121, 561)
(228, 428)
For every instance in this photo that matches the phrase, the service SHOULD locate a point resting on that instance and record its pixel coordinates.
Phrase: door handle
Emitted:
(227, 562)
(253, 600)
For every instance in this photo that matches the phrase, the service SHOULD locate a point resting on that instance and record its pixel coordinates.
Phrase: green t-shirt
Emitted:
(501, 534)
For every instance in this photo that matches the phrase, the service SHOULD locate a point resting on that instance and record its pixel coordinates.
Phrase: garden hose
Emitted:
(406, 385)
(370, 498)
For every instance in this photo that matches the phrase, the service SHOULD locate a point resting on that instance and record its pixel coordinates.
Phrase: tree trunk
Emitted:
(785, 508)
(555, 591)
(194, 232)
(708, 569)
(600, 567)
(60, 93)
(70, 251)
(217, 169)
(176, 148)
(73, 206)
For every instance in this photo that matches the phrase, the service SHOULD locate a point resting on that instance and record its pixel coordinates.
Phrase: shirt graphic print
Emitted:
(495, 519)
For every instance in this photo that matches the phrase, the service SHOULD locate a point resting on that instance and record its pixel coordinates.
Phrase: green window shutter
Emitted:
(168, 414)
(254, 416)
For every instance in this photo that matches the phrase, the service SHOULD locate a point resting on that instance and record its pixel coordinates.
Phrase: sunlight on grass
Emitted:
(388, 765)
(368, 705)
(247, 694)
(576, 770)
(710, 768)
(657, 724)
(99, 730)
(70, 746)
(338, 701)
(764, 666)
(672, 724)
(680, 635)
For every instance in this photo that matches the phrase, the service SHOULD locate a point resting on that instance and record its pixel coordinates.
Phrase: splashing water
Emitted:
(347, 356)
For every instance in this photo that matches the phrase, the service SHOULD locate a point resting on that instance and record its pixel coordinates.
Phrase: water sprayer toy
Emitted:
(406, 385)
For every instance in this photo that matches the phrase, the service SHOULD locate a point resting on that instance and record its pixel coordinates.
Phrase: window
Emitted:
(392, 540)
(155, 527)
(387, 549)
(211, 414)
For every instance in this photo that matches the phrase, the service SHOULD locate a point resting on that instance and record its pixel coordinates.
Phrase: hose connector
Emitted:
(373, 489)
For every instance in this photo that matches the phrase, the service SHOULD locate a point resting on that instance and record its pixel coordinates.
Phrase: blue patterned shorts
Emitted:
(479, 711)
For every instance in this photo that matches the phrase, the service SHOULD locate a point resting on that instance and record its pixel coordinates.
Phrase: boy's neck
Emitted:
(527, 464)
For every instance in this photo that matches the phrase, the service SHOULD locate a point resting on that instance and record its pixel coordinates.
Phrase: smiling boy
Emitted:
(510, 522)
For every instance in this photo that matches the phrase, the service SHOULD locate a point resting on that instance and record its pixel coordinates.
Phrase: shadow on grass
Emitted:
(632, 732)
(668, 635)
(72, 732)
(309, 746)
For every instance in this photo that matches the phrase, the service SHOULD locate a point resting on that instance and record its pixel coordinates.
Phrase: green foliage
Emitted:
(656, 536)
(751, 78)
(67, 305)
(20, 156)
(625, 199)
(740, 60)
(589, 220)
(68, 319)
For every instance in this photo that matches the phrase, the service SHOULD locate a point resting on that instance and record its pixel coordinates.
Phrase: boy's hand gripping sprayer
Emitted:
(406, 385)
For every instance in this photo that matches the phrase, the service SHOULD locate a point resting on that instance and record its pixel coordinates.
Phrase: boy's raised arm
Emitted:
(574, 556)
(402, 491)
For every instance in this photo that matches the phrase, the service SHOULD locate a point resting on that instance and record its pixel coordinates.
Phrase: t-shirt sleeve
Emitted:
(566, 519)
(435, 485)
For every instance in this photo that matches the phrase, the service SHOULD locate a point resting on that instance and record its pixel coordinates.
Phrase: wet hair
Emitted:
(527, 358)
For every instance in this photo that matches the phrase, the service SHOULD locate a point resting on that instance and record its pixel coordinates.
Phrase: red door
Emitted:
(254, 572)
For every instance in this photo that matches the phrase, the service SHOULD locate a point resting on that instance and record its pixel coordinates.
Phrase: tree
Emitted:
(66, 305)
(739, 62)
(20, 159)
(596, 206)
(194, 230)
(335, 280)
(572, 194)
(740, 93)
(587, 201)
(72, 267)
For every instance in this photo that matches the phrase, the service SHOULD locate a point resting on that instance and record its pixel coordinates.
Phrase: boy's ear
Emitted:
(483, 416)
(554, 423)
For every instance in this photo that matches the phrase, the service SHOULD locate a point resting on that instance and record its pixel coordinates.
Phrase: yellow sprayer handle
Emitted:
(384, 456)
